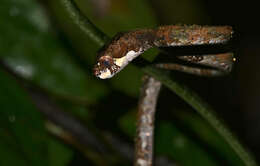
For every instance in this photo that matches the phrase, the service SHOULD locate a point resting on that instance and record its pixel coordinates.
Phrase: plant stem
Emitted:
(145, 122)
(84, 23)
(186, 94)
(204, 110)
(70, 139)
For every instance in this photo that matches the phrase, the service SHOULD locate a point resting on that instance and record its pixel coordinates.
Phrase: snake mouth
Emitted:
(104, 67)
(101, 72)
(104, 72)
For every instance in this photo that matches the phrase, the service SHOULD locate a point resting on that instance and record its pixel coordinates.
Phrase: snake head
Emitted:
(105, 67)
(113, 57)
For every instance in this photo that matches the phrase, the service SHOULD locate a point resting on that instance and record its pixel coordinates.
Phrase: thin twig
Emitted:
(55, 113)
(83, 23)
(210, 65)
(70, 139)
(190, 69)
(75, 100)
(145, 122)
(60, 118)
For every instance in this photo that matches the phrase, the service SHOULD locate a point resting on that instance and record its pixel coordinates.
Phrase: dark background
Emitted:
(47, 60)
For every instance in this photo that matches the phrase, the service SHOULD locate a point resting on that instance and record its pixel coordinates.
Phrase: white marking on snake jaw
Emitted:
(142, 162)
(105, 74)
(122, 62)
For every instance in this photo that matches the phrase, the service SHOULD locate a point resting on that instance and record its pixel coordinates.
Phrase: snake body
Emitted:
(125, 47)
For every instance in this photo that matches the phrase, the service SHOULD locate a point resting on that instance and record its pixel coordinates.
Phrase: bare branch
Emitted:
(145, 122)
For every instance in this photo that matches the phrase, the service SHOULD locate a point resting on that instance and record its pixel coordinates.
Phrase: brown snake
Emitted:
(125, 47)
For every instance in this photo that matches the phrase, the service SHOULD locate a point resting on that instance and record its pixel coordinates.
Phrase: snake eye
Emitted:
(106, 63)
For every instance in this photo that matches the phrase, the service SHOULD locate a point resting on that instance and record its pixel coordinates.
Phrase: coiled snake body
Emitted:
(127, 46)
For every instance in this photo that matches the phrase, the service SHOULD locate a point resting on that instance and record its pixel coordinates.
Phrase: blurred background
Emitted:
(54, 112)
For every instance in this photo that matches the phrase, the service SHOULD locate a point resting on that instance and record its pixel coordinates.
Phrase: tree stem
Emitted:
(84, 23)
(145, 122)
(204, 110)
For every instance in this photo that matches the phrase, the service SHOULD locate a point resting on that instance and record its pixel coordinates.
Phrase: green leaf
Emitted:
(24, 140)
(208, 135)
(22, 131)
(171, 142)
(123, 15)
(10, 156)
(127, 123)
(59, 154)
(28, 45)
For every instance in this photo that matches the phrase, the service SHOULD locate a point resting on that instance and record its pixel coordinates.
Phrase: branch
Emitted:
(84, 23)
(61, 118)
(145, 122)
(127, 151)
(189, 96)
(70, 139)
(204, 110)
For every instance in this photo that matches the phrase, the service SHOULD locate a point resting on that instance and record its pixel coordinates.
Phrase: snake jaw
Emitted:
(107, 66)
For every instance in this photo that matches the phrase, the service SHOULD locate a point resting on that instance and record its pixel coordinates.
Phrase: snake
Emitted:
(125, 47)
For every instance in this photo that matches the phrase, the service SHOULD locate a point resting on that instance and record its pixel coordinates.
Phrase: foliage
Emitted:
(41, 44)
